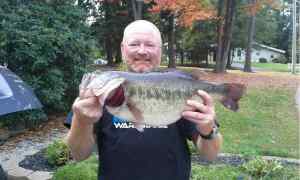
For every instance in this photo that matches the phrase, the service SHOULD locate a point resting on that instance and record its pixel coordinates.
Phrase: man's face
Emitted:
(141, 50)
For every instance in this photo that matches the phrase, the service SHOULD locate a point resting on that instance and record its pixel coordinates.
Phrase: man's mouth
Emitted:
(141, 60)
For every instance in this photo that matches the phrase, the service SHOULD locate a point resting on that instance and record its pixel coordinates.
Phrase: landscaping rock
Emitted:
(37, 162)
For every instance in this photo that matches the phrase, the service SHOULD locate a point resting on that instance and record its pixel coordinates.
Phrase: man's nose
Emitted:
(142, 49)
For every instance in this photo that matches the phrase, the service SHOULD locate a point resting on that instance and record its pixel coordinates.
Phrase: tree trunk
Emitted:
(228, 32)
(181, 57)
(229, 61)
(118, 56)
(108, 43)
(137, 8)
(171, 42)
(225, 37)
(219, 49)
(251, 31)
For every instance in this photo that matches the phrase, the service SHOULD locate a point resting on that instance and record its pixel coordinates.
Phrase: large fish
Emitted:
(154, 98)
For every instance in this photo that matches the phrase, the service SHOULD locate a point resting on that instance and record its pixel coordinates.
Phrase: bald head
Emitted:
(142, 26)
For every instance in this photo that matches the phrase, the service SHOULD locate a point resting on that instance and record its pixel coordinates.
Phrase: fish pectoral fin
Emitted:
(135, 111)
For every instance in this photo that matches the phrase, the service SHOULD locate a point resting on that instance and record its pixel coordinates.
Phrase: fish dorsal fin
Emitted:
(181, 74)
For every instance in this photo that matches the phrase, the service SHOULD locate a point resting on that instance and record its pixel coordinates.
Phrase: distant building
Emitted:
(100, 61)
(258, 51)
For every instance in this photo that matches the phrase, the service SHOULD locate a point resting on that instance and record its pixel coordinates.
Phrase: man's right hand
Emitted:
(87, 107)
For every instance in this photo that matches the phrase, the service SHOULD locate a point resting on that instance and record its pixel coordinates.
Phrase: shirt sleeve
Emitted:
(68, 120)
(187, 129)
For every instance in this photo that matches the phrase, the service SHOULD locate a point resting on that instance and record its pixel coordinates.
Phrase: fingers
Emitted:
(197, 106)
(89, 109)
(194, 116)
(89, 102)
(207, 99)
(86, 93)
(195, 110)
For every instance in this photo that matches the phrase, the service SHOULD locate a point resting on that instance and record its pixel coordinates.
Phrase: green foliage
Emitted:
(85, 170)
(23, 119)
(58, 153)
(263, 60)
(266, 124)
(48, 46)
(224, 172)
(281, 59)
(261, 168)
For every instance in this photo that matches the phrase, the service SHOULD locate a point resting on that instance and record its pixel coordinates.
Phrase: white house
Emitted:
(258, 51)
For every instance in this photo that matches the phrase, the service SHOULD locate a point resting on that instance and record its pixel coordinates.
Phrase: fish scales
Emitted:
(157, 98)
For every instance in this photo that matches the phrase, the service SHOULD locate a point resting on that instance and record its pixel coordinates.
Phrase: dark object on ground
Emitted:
(15, 95)
(37, 162)
(3, 175)
(229, 160)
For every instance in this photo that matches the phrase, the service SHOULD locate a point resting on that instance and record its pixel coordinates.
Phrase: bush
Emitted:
(85, 170)
(58, 153)
(260, 168)
(281, 59)
(48, 46)
(23, 119)
(263, 60)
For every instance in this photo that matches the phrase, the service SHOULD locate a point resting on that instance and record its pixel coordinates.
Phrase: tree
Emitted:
(48, 46)
(186, 12)
(251, 30)
(225, 34)
(253, 7)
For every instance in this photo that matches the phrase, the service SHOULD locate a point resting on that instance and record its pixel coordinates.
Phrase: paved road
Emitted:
(297, 99)
(241, 67)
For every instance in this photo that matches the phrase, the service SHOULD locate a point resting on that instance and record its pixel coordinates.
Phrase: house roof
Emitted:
(270, 48)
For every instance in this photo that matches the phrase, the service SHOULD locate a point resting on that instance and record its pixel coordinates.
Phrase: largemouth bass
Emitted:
(154, 98)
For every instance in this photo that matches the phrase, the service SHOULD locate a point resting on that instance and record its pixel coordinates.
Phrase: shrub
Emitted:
(260, 168)
(23, 119)
(263, 60)
(58, 153)
(85, 170)
(48, 46)
(281, 59)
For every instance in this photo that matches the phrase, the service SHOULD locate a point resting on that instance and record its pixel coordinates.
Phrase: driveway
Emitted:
(241, 67)
(297, 98)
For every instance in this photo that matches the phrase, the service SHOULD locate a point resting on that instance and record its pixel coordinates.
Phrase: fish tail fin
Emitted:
(234, 92)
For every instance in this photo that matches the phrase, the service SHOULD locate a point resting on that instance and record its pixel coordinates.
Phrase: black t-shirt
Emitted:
(159, 153)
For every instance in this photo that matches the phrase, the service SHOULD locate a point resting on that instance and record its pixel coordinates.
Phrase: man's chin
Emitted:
(143, 68)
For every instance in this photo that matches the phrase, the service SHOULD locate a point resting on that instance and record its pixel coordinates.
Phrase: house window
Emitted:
(257, 54)
(239, 53)
(272, 56)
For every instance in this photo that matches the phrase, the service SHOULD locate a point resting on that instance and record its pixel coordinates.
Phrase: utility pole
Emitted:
(295, 39)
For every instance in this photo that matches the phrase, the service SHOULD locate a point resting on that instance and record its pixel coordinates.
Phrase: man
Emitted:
(156, 153)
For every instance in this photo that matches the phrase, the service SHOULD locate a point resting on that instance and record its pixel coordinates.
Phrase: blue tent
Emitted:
(15, 94)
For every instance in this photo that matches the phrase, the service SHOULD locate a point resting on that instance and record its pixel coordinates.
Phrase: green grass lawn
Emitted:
(266, 124)
(272, 66)
(87, 170)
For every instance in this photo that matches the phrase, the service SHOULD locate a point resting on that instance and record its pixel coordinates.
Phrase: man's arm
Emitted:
(87, 110)
(80, 139)
(209, 148)
(208, 140)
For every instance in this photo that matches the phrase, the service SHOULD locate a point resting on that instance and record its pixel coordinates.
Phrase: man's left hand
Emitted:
(202, 114)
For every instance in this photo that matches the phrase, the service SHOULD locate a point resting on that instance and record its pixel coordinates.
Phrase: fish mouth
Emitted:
(108, 91)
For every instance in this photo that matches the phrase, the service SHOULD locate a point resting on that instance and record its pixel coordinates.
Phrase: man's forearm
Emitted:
(80, 139)
(209, 149)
